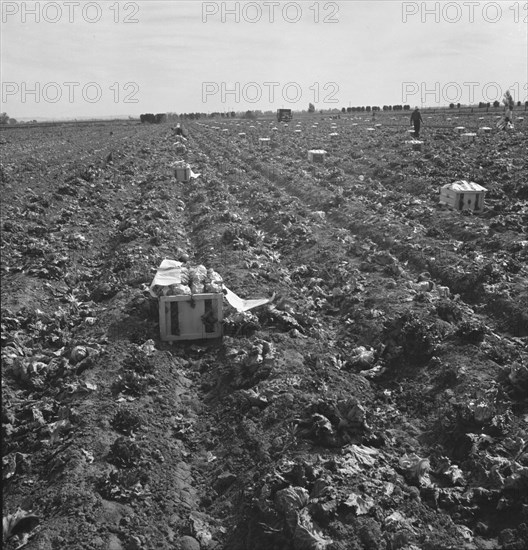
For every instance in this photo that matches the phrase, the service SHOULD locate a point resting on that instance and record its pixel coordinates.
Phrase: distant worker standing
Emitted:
(508, 114)
(416, 119)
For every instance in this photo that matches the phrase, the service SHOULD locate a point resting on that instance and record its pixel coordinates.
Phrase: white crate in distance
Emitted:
(190, 317)
(264, 142)
(463, 195)
(316, 155)
(415, 144)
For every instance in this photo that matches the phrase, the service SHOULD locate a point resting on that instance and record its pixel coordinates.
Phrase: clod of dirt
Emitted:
(188, 543)
(124, 452)
(518, 378)
(77, 354)
(126, 421)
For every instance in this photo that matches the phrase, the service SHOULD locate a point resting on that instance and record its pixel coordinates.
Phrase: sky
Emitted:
(73, 59)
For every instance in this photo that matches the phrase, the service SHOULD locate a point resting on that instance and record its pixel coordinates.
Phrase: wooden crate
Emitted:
(316, 155)
(182, 172)
(193, 317)
(449, 197)
(462, 200)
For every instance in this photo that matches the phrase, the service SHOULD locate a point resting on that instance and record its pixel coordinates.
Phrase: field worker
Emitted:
(179, 131)
(508, 114)
(416, 119)
(507, 122)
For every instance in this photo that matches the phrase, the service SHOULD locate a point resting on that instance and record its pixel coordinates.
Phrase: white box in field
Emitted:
(485, 130)
(469, 136)
(459, 129)
(334, 135)
(190, 317)
(463, 195)
(182, 172)
(242, 134)
(264, 142)
(316, 155)
(415, 144)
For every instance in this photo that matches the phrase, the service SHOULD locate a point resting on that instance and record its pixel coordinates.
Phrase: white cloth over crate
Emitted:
(464, 186)
(169, 273)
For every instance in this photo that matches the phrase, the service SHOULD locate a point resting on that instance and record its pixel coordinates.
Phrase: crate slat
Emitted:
(193, 317)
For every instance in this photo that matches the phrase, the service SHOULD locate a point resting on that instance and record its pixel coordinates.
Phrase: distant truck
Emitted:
(284, 115)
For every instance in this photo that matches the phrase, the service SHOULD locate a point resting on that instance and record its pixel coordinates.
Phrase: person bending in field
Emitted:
(416, 120)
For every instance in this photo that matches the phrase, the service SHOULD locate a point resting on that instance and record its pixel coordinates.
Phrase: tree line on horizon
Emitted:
(254, 114)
